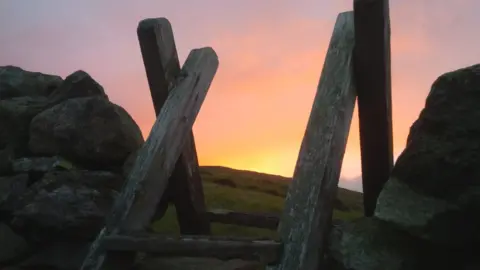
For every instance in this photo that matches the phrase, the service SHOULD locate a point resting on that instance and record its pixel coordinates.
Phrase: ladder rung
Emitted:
(259, 220)
(225, 248)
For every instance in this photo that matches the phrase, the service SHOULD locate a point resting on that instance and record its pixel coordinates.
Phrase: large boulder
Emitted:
(373, 244)
(6, 161)
(11, 188)
(12, 246)
(434, 188)
(77, 84)
(90, 130)
(24, 94)
(15, 117)
(66, 204)
(16, 82)
(59, 255)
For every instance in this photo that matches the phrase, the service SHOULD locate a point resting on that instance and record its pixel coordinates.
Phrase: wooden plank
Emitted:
(373, 82)
(134, 207)
(263, 250)
(184, 188)
(259, 220)
(307, 216)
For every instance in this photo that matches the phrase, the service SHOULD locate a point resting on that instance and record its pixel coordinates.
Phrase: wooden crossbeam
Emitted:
(373, 82)
(147, 181)
(185, 190)
(307, 215)
(259, 220)
(225, 248)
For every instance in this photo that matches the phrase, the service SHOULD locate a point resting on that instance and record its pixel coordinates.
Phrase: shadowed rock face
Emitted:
(442, 156)
(431, 203)
(62, 148)
(434, 188)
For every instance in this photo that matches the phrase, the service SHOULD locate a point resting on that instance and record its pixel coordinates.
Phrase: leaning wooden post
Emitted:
(148, 179)
(185, 188)
(306, 219)
(373, 80)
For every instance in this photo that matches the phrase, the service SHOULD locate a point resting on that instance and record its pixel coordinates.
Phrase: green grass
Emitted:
(247, 191)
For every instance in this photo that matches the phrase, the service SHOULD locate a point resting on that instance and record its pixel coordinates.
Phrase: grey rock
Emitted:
(16, 82)
(92, 131)
(6, 161)
(434, 188)
(370, 244)
(36, 167)
(11, 188)
(129, 163)
(69, 204)
(15, 117)
(12, 246)
(38, 164)
(76, 85)
(61, 255)
(373, 244)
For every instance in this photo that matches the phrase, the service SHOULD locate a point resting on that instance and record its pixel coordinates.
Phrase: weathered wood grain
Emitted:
(373, 82)
(184, 188)
(259, 220)
(265, 251)
(146, 183)
(306, 220)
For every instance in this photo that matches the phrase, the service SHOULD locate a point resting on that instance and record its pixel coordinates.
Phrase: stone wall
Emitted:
(63, 145)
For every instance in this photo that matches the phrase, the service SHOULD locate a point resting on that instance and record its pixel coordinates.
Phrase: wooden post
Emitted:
(307, 215)
(185, 188)
(147, 181)
(373, 81)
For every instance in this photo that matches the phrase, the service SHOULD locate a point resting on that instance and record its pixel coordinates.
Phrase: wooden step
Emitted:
(263, 250)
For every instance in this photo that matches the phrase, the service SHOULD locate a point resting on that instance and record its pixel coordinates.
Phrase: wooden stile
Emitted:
(166, 168)
(373, 82)
(162, 67)
(307, 216)
(135, 206)
(168, 136)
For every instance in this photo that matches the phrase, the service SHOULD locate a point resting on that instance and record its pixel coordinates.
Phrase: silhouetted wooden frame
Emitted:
(307, 216)
(148, 179)
(185, 190)
(373, 81)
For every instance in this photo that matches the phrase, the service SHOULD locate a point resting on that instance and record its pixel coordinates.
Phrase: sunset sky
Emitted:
(271, 53)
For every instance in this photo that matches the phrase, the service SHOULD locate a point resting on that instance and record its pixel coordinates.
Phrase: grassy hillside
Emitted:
(248, 191)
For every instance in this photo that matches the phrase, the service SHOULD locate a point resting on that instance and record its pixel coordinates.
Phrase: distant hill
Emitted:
(248, 191)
